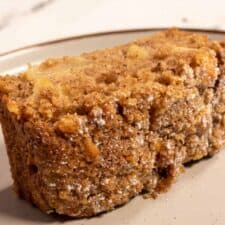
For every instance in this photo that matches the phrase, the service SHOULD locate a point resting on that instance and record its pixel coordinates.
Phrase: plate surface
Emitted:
(197, 198)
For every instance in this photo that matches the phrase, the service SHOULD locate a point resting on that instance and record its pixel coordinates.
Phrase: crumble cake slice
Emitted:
(86, 134)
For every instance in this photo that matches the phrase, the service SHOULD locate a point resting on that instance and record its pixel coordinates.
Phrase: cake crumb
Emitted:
(90, 148)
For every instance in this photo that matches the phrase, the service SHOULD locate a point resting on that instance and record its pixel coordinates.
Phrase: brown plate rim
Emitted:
(103, 33)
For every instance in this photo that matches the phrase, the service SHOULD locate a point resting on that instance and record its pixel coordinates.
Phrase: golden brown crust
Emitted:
(85, 134)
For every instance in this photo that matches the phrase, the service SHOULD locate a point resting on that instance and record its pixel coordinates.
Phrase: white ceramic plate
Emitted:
(197, 198)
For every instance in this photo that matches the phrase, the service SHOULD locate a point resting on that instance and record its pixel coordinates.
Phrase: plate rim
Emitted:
(103, 33)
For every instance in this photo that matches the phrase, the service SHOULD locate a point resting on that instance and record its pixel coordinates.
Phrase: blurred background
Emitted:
(25, 22)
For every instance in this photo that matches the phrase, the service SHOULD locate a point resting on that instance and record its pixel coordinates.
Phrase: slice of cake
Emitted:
(86, 134)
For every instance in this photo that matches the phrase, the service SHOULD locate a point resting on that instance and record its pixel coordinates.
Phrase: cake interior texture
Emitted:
(85, 134)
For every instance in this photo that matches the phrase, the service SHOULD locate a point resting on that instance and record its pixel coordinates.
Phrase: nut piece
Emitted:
(44, 83)
(49, 63)
(137, 52)
(90, 148)
(12, 107)
(64, 195)
(67, 124)
(206, 61)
